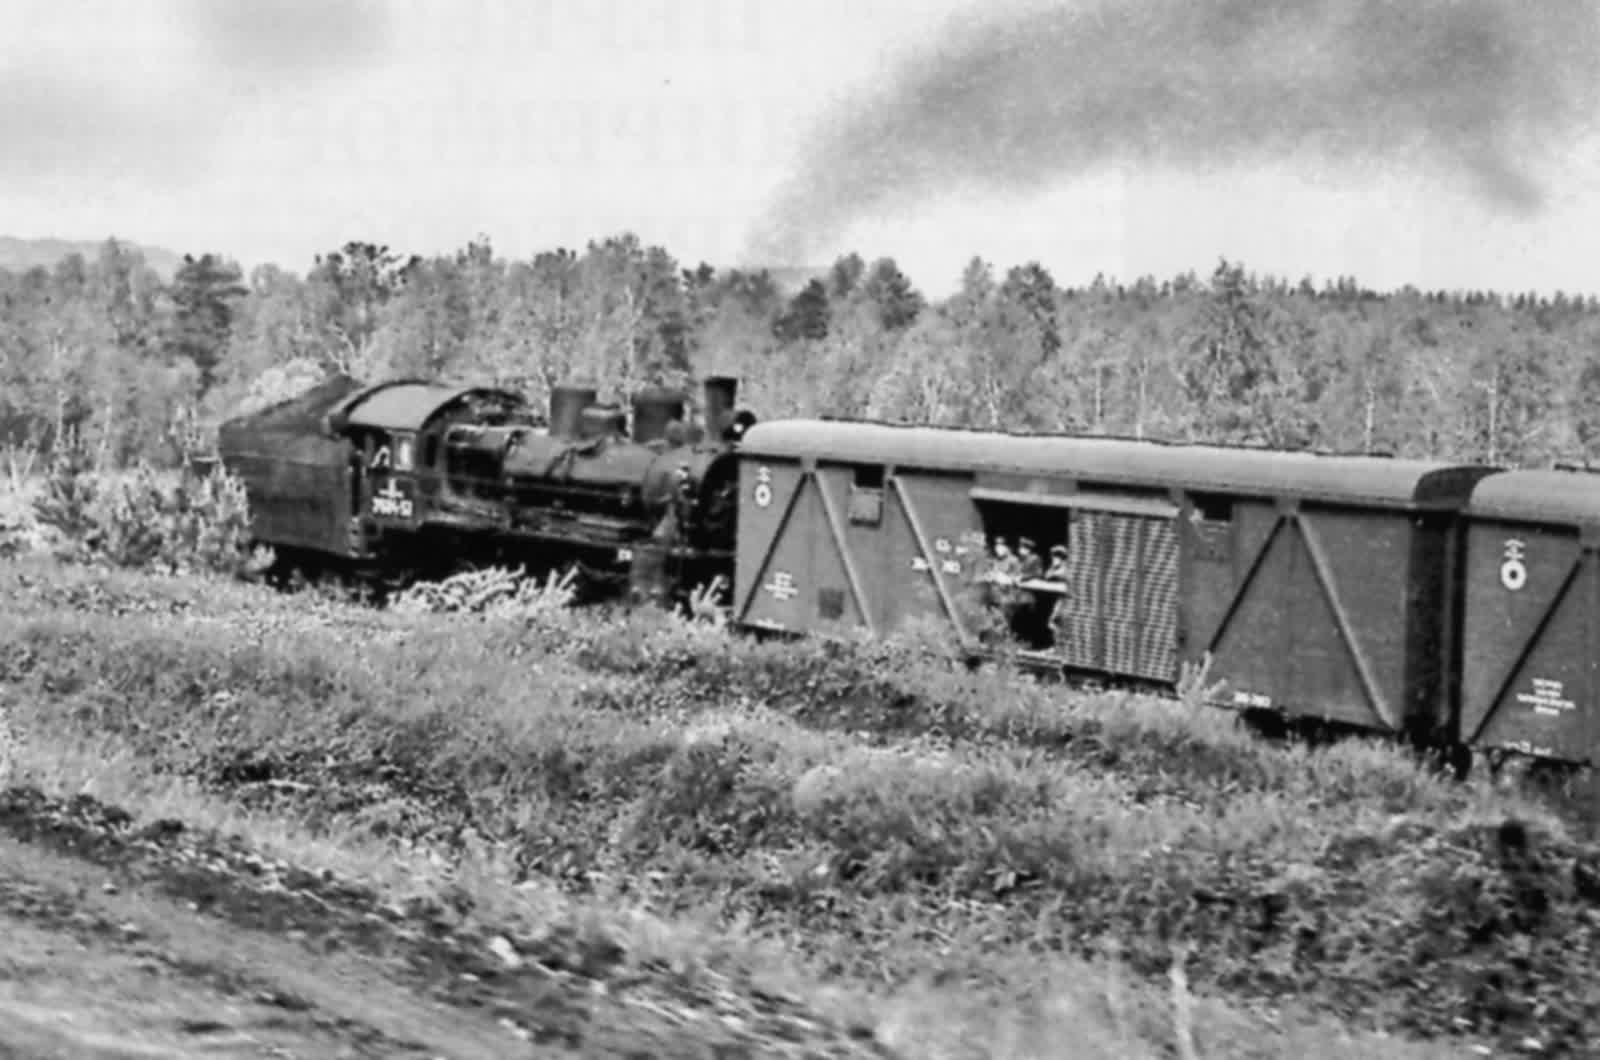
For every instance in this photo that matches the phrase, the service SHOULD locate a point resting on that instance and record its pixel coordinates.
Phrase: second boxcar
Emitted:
(1531, 670)
(1324, 586)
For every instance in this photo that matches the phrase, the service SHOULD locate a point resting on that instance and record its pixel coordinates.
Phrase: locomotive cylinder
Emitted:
(653, 409)
(567, 402)
(721, 392)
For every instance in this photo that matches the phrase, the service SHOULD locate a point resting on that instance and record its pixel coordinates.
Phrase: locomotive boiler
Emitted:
(650, 498)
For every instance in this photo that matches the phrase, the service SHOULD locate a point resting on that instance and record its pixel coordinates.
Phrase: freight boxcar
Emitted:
(1325, 586)
(1320, 586)
(1531, 671)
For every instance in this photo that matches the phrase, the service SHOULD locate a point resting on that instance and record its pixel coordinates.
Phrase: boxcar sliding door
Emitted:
(1117, 605)
(1124, 588)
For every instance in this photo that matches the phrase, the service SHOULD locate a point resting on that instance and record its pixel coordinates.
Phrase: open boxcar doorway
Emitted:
(1033, 533)
(1106, 598)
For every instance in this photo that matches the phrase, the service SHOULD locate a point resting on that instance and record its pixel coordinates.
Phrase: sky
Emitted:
(1439, 143)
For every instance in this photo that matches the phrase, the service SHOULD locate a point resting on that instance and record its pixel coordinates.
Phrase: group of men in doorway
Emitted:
(1004, 581)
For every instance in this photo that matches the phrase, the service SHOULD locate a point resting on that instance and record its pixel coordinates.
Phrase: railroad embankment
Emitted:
(859, 843)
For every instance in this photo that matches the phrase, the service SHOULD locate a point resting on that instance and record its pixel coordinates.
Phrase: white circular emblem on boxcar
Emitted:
(763, 494)
(1513, 572)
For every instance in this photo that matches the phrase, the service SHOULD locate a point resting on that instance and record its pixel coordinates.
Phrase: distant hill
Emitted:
(22, 254)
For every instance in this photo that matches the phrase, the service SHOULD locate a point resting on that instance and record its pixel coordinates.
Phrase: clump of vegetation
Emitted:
(176, 522)
(494, 592)
(884, 813)
(18, 529)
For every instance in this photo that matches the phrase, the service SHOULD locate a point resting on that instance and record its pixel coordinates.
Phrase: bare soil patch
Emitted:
(160, 941)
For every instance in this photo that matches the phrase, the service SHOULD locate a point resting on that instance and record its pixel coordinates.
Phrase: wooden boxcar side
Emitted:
(830, 546)
(1325, 595)
(1531, 636)
(1319, 585)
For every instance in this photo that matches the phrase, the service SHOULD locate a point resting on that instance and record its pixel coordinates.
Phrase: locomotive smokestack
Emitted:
(653, 409)
(721, 392)
(567, 402)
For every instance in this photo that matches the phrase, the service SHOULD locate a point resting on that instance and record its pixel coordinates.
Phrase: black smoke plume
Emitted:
(1470, 90)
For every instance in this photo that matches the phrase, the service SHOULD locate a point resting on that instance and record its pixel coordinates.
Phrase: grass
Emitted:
(967, 846)
(1096, 1006)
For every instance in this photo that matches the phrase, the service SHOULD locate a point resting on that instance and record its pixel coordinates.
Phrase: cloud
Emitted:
(151, 102)
(295, 37)
(1475, 90)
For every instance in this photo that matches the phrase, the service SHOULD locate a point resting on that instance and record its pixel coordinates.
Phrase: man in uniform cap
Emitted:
(1021, 603)
(1058, 564)
(1028, 560)
(1061, 611)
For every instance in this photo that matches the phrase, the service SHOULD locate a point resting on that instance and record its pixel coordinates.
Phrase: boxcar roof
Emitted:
(1205, 468)
(1569, 498)
(406, 404)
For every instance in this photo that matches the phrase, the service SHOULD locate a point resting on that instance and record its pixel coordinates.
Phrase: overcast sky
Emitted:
(273, 131)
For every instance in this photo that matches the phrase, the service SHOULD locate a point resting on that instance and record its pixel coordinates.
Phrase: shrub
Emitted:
(494, 592)
(175, 522)
(19, 531)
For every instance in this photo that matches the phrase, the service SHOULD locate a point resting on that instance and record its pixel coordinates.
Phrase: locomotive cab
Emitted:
(398, 430)
(391, 471)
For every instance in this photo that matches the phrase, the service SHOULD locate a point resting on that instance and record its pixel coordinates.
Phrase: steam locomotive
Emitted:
(409, 479)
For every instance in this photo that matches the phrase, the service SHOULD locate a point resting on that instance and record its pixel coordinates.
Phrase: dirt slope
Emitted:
(99, 962)
(123, 943)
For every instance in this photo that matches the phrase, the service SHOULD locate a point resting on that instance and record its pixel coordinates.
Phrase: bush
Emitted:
(175, 522)
(493, 592)
(19, 530)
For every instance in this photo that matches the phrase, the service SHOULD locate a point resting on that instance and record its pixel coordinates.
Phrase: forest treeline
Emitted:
(107, 353)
